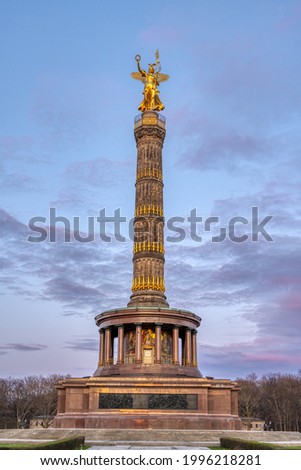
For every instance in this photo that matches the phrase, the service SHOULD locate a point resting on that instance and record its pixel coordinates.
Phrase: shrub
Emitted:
(241, 444)
(62, 444)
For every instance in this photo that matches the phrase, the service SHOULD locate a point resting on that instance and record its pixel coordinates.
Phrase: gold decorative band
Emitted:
(149, 209)
(148, 283)
(148, 246)
(149, 172)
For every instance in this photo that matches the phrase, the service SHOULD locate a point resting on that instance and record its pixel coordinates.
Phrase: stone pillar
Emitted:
(175, 345)
(108, 346)
(183, 350)
(138, 346)
(101, 358)
(194, 349)
(188, 347)
(61, 404)
(158, 357)
(120, 356)
(148, 259)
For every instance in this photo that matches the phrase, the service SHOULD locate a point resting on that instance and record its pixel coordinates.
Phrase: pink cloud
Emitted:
(263, 355)
(292, 301)
(272, 358)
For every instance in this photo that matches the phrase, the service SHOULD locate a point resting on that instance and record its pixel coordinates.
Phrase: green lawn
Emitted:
(61, 444)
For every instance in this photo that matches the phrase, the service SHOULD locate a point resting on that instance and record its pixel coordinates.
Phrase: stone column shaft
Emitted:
(148, 260)
(138, 347)
(194, 349)
(188, 347)
(101, 359)
(175, 345)
(120, 357)
(108, 346)
(158, 356)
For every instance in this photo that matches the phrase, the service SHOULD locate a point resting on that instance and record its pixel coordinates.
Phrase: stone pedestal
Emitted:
(147, 403)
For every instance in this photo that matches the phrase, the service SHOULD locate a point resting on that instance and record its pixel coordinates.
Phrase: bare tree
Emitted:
(281, 401)
(249, 397)
(21, 399)
(5, 409)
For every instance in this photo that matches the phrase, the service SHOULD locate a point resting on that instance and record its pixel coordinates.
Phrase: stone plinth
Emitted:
(147, 403)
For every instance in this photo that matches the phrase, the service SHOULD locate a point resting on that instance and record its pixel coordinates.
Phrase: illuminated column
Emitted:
(188, 347)
(108, 346)
(101, 348)
(158, 344)
(194, 349)
(138, 346)
(175, 345)
(120, 357)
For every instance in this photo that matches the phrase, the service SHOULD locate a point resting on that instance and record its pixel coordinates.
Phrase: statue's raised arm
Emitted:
(138, 58)
(151, 80)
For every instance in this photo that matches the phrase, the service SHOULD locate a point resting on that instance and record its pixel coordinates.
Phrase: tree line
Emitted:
(274, 398)
(24, 398)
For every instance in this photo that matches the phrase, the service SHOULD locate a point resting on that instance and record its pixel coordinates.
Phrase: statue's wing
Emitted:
(162, 77)
(138, 76)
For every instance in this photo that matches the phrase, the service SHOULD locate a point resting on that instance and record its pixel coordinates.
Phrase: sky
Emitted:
(67, 149)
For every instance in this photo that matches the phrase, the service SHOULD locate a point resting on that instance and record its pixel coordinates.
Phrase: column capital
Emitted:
(153, 132)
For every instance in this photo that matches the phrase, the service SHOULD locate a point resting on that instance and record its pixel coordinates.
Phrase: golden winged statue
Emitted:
(151, 80)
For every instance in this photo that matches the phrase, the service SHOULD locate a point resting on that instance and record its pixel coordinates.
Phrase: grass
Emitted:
(233, 443)
(74, 443)
(291, 447)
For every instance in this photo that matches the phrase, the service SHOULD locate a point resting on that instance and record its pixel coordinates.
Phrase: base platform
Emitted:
(151, 439)
(148, 403)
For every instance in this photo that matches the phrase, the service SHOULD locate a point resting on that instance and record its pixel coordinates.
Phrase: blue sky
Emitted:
(233, 142)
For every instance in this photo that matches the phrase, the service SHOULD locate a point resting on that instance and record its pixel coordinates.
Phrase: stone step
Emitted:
(151, 437)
